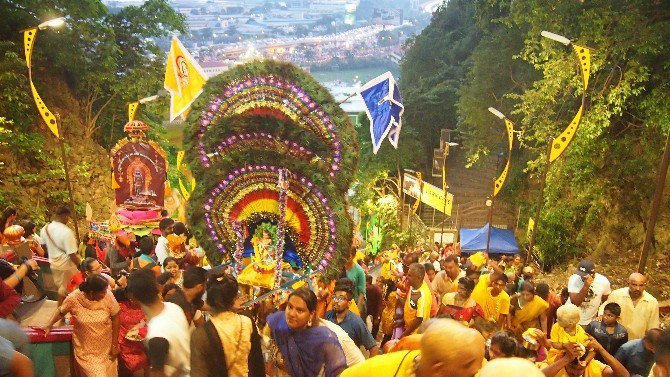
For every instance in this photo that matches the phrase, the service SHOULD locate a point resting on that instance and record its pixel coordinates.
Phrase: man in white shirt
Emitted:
(166, 226)
(639, 309)
(168, 336)
(588, 290)
(61, 245)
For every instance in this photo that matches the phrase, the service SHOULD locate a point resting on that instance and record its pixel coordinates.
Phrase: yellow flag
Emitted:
(180, 157)
(184, 191)
(115, 184)
(132, 108)
(510, 141)
(416, 204)
(531, 226)
(28, 43)
(584, 55)
(563, 140)
(184, 79)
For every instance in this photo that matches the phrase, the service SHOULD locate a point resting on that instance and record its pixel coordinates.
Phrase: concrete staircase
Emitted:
(470, 187)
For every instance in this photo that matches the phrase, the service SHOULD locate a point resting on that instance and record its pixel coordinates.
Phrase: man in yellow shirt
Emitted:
(419, 299)
(494, 300)
(433, 359)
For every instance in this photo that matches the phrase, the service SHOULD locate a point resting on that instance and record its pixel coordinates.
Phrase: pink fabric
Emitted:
(137, 217)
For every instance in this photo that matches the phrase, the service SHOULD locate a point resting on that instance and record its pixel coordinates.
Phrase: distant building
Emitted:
(382, 16)
(213, 68)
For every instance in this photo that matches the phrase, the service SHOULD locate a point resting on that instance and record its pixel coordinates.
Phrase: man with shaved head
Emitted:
(639, 309)
(436, 357)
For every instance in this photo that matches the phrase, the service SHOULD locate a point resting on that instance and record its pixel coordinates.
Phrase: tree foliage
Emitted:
(598, 192)
(107, 59)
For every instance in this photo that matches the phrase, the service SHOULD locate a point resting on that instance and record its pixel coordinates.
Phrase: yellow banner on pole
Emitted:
(428, 194)
(531, 226)
(510, 141)
(180, 158)
(132, 108)
(49, 118)
(184, 190)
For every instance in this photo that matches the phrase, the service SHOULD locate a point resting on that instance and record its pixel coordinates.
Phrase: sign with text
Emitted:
(429, 194)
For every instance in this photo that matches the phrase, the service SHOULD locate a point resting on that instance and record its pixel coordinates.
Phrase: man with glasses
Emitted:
(639, 309)
(352, 324)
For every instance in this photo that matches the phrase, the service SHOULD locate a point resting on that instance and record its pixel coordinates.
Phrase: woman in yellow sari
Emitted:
(528, 310)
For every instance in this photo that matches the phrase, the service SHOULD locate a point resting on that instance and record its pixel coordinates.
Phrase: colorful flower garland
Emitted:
(321, 245)
(270, 92)
(282, 185)
(239, 246)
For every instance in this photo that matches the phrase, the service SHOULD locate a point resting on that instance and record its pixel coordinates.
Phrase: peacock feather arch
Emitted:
(250, 123)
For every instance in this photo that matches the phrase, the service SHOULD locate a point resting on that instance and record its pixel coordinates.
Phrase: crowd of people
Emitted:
(148, 307)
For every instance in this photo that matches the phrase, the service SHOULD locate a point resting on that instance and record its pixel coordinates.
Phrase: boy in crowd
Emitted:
(608, 331)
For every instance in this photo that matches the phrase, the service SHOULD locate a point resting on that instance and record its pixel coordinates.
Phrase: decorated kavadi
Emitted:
(274, 156)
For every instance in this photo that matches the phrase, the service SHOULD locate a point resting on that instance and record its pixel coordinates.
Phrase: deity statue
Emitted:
(261, 271)
(138, 183)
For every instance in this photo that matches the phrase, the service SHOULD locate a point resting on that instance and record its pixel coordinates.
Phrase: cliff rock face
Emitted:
(35, 182)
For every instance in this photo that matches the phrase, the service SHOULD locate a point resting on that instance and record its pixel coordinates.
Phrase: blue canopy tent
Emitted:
(502, 240)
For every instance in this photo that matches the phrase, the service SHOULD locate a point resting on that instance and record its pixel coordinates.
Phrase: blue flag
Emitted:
(383, 105)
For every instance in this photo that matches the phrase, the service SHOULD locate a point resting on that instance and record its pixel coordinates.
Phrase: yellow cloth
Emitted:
(529, 315)
(493, 306)
(250, 276)
(418, 304)
(479, 293)
(388, 270)
(388, 314)
(478, 259)
(399, 364)
(637, 319)
(559, 335)
(235, 333)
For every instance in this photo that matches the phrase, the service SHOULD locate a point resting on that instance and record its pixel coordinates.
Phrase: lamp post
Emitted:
(445, 187)
(558, 145)
(51, 120)
(489, 203)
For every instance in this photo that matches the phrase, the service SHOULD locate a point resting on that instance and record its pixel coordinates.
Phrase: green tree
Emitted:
(433, 70)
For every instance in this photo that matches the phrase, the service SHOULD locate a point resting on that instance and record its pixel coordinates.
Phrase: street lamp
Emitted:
(53, 23)
(497, 113)
(555, 37)
(489, 203)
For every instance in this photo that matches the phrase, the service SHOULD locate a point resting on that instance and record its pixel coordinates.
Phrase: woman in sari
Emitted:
(95, 332)
(228, 344)
(528, 310)
(305, 348)
(460, 305)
